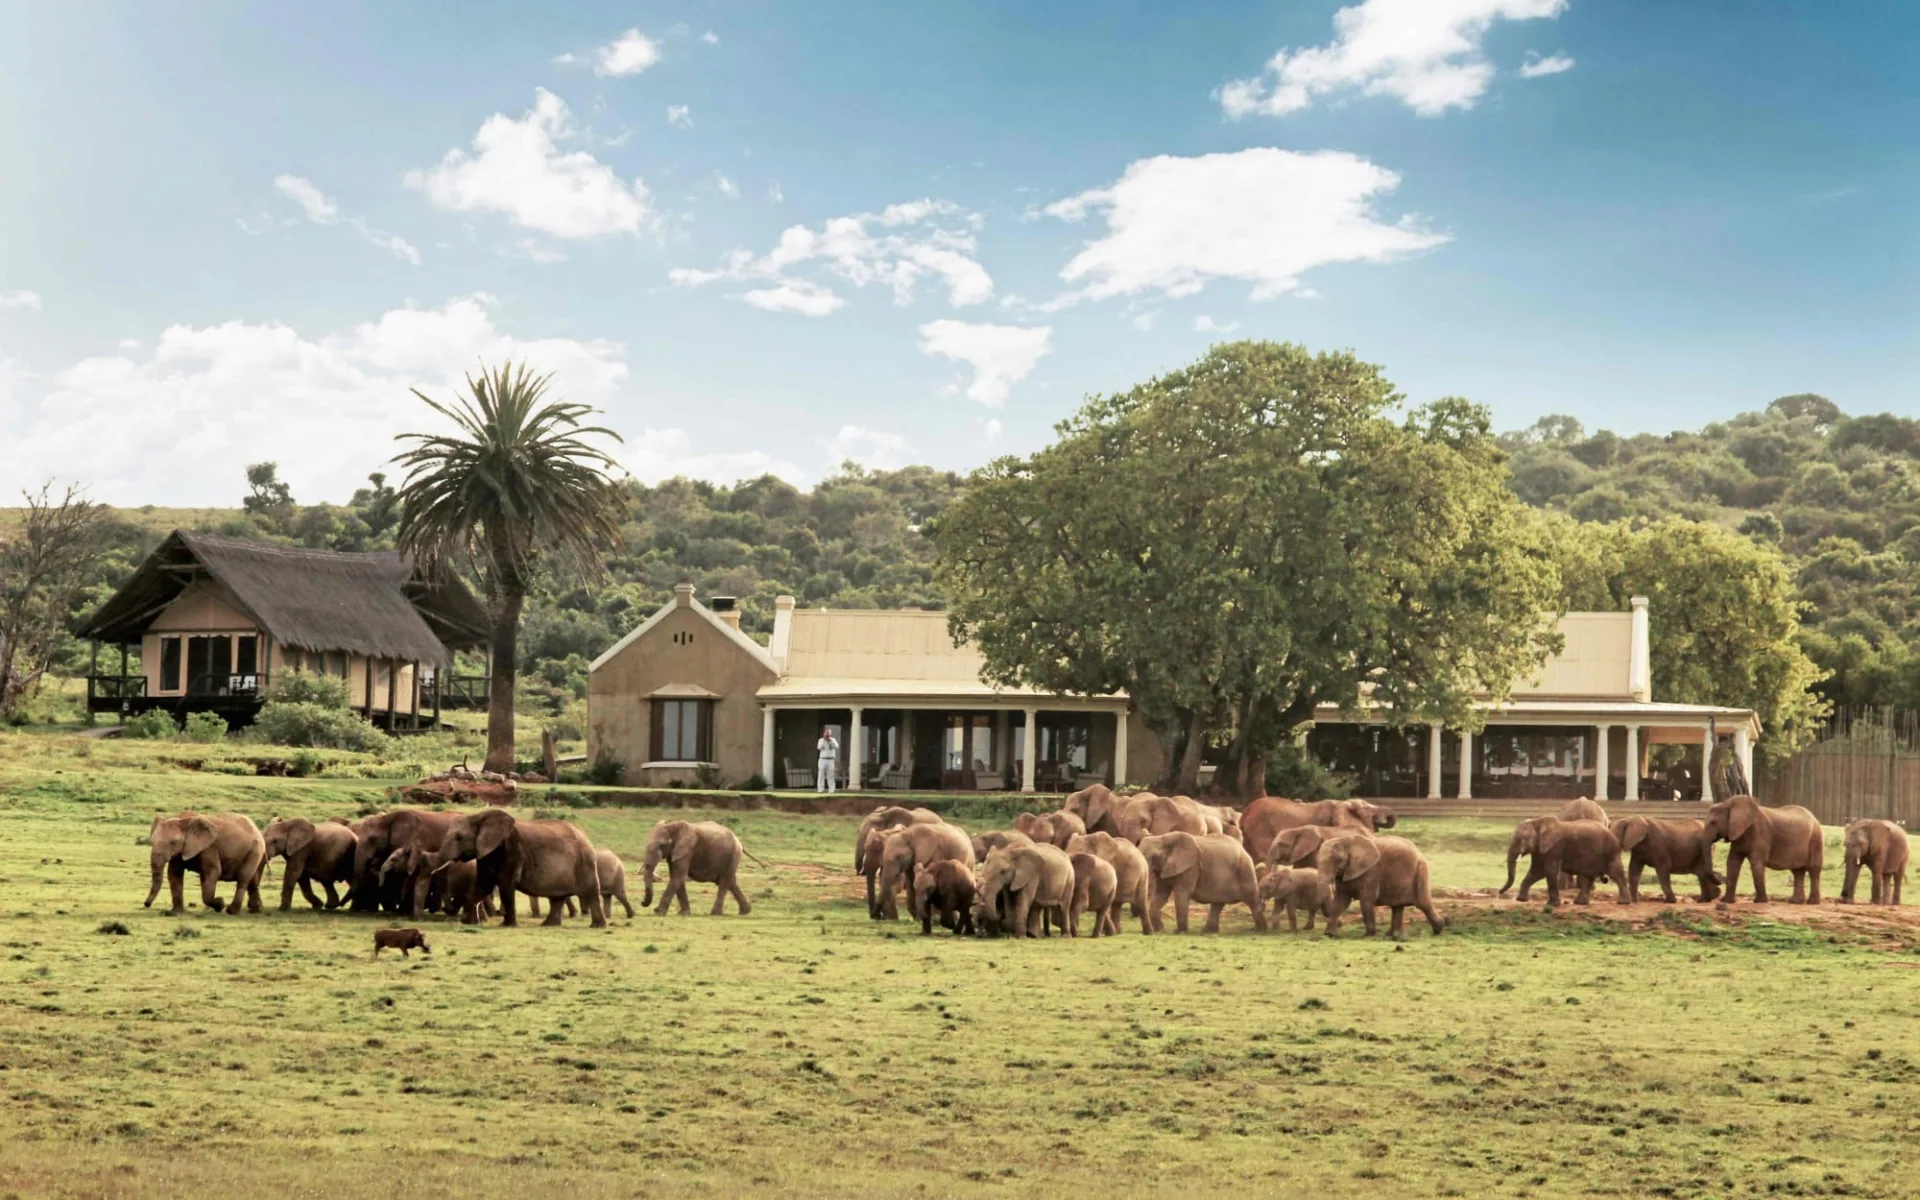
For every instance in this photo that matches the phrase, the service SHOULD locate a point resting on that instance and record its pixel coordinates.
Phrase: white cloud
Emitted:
(1206, 324)
(1144, 321)
(658, 454)
(679, 116)
(319, 209)
(322, 210)
(710, 38)
(801, 296)
(1425, 53)
(776, 194)
(1262, 215)
(727, 187)
(534, 251)
(518, 169)
(1553, 64)
(931, 240)
(629, 54)
(993, 430)
(129, 343)
(20, 299)
(868, 447)
(177, 424)
(1000, 355)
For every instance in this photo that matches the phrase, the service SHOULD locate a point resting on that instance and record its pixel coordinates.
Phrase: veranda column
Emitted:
(1633, 763)
(1743, 751)
(766, 744)
(1466, 764)
(1433, 762)
(1031, 749)
(1120, 749)
(856, 749)
(1706, 764)
(1600, 764)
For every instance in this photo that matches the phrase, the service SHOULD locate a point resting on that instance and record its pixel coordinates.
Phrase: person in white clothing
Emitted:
(829, 763)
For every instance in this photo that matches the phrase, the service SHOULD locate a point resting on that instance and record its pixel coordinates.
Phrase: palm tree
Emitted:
(517, 484)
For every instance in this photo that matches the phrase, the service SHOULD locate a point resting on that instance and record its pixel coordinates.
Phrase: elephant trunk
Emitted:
(652, 861)
(1513, 857)
(160, 858)
(1853, 879)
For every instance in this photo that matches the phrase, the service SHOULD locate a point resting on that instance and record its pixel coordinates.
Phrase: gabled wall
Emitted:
(683, 646)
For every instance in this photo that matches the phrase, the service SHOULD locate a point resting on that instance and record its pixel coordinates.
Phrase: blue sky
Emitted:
(769, 236)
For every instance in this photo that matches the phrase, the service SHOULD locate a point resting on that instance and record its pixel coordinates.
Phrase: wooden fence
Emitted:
(1864, 765)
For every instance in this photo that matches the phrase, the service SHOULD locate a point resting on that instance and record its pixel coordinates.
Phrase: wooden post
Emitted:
(393, 693)
(366, 670)
(93, 669)
(436, 694)
(549, 756)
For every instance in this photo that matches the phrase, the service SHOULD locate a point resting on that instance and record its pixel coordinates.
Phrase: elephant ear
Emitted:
(1362, 855)
(1299, 845)
(1026, 871)
(299, 836)
(1183, 855)
(493, 828)
(1740, 817)
(1633, 831)
(685, 841)
(196, 834)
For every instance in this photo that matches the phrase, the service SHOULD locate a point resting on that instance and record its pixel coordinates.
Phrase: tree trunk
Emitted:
(1186, 781)
(505, 646)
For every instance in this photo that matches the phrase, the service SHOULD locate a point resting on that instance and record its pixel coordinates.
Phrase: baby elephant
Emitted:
(403, 940)
(1094, 887)
(946, 886)
(1294, 889)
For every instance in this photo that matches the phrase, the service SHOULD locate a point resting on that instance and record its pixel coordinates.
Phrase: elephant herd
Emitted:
(1581, 846)
(412, 862)
(1102, 854)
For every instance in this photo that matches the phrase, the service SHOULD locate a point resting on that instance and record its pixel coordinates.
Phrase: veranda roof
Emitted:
(375, 604)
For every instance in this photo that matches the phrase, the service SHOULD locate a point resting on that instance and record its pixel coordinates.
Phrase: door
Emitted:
(209, 662)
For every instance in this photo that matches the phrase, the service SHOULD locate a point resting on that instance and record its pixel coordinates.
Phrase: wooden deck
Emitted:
(1519, 810)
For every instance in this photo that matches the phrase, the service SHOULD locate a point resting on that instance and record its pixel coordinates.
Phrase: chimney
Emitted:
(727, 609)
(1640, 654)
(682, 595)
(782, 639)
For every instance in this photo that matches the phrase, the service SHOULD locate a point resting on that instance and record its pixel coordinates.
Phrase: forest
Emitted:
(1831, 498)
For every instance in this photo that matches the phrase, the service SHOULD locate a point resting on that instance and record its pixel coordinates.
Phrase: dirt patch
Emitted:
(459, 791)
(1898, 928)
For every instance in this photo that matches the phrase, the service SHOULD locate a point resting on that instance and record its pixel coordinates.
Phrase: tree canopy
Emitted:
(1244, 539)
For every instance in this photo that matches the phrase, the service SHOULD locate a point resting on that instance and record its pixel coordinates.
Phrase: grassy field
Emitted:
(805, 1050)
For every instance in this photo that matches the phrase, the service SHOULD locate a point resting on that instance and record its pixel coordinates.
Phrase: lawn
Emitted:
(805, 1050)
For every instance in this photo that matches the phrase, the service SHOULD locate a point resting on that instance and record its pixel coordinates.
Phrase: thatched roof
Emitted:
(374, 604)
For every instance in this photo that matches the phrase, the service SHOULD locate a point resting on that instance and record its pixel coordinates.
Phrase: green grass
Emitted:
(805, 1050)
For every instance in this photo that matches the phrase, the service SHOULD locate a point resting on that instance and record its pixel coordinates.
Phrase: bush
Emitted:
(206, 727)
(303, 723)
(1295, 773)
(606, 770)
(755, 783)
(305, 763)
(152, 724)
(308, 687)
(707, 777)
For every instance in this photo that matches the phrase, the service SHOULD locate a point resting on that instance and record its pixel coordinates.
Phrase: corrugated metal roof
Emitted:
(874, 644)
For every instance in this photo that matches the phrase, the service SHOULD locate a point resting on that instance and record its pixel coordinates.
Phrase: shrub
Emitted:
(706, 777)
(151, 724)
(1294, 772)
(308, 687)
(304, 723)
(755, 783)
(606, 770)
(305, 763)
(205, 727)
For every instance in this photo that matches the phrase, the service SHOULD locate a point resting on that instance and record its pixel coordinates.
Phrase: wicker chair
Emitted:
(801, 778)
(986, 779)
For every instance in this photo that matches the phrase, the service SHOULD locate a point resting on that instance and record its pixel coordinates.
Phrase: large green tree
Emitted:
(1724, 615)
(515, 488)
(1249, 537)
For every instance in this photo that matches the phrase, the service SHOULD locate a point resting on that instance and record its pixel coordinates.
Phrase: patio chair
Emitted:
(800, 777)
(1087, 779)
(896, 779)
(986, 779)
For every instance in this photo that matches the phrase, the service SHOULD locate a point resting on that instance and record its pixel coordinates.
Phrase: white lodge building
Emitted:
(687, 694)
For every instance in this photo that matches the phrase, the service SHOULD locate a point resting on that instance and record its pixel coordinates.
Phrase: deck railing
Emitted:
(115, 688)
(464, 691)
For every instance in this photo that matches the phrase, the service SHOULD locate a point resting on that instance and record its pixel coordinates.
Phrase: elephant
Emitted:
(912, 846)
(1022, 888)
(700, 851)
(397, 877)
(1136, 816)
(986, 843)
(220, 848)
(944, 888)
(1095, 806)
(462, 893)
(1881, 847)
(1586, 850)
(552, 859)
(1301, 845)
(320, 854)
(1265, 818)
(890, 816)
(1211, 868)
(1670, 847)
(613, 880)
(1294, 889)
(1221, 819)
(1053, 828)
(1132, 882)
(1372, 872)
(378, 836)
(1583, 809)
(1525, 840)
(1096, 889)
(1787, 838)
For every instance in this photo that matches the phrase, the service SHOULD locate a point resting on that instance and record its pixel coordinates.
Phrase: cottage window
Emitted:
(246, 656)
(682, 731)
(169, 664)
(291, 658)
